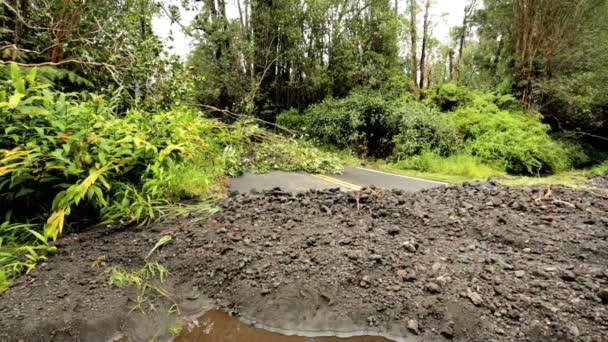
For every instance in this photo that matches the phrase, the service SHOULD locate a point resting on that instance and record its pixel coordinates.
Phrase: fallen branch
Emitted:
(238, 116)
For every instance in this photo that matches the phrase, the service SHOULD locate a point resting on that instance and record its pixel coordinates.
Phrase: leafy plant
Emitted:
(422, 128)
(512, 140)
(68, 160)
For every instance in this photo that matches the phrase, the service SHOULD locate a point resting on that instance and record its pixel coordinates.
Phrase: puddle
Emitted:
(216, 326)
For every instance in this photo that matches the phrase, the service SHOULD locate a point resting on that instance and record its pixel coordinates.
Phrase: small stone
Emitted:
(433, 288)
(474, 297)
(550, 269)
(234, 236)
(411, 276)
(574, 331)
(603, 294)
(527, 250)
(409, 247)
(567, 275)
(412, 325)
(506, 266)
(402, 274)
(443, 281)
(393, 231)
(519, 274)
(547, 218)
(396, 288)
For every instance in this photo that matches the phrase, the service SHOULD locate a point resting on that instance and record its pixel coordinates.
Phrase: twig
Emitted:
(238, 116)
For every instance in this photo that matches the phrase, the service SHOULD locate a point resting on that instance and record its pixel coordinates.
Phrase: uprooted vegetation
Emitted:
(69, 160)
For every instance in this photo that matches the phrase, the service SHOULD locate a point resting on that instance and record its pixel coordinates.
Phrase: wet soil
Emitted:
(475, 262)
(216, 326)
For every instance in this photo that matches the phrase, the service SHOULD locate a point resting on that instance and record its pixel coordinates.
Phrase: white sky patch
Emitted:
(444, 15)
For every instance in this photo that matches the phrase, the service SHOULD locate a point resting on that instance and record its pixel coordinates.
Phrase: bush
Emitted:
(292, 119)
(449, 96)
(359, 121)
(514, 140)
(422, 128)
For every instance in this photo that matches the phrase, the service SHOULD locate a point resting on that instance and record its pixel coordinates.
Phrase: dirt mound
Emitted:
(476, 262)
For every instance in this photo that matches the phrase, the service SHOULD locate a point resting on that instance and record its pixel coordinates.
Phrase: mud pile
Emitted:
(475, 262)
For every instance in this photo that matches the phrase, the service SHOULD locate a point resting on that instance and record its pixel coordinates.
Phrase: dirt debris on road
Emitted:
(474, 262)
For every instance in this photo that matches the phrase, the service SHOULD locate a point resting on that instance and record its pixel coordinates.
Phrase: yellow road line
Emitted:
(337, 182)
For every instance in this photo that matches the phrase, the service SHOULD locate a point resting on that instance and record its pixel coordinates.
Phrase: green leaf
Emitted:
(14, 100)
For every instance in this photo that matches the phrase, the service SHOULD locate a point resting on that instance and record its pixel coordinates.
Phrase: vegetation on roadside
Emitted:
(69, 160)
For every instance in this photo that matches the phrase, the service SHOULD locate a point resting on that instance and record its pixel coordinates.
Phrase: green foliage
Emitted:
(463, 165)
(422, 128)
(294, 155)
(513, 140)
(293, 119)
(361, 121)
(68, 160)
(449, 96)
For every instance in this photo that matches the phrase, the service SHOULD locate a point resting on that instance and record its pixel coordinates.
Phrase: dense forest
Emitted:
(100, 123)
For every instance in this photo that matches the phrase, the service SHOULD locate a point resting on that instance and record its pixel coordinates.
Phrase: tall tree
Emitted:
(423, 52)
(468, 12)
(413, 43)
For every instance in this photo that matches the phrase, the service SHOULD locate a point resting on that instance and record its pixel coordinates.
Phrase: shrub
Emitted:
(449, 96)
(292, 119)
(359, 121)
(423, 128)
(514, 140)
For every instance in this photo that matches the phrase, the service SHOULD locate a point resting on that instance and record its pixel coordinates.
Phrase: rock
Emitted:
(519, 274)
(234, 236)
(550, 269)
(474, 297)
(574, 331)
(506, 266)
(547, 218)
(443, 281)
(409, 247)
(567, 275)
(527, 250)
(433, 288)
(412, 325)
(411, 276)
(393, 231)
(395, 288)
(603, 294)
(376, 257)
(447, 330)
(402, 274)
(326, 209)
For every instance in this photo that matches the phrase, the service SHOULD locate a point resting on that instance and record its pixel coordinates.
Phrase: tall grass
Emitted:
(463, 165)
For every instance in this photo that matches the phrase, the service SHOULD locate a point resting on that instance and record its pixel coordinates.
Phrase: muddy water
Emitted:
(216, 326)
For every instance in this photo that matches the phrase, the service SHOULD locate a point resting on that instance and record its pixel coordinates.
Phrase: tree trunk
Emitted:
(425, 28)
(414, 38)
(468, 11)
(450, 64)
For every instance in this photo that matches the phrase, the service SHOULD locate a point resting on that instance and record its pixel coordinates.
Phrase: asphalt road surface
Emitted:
(353, 178)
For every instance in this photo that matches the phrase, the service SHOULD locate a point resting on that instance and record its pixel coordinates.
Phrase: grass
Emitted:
(465, 168)
(453, 169)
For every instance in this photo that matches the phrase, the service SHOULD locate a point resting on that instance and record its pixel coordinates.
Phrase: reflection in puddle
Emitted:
(216, 326)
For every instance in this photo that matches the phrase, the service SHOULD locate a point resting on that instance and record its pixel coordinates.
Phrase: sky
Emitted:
(181, 44)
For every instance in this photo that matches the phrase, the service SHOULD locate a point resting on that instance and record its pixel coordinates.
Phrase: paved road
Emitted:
(353, 178)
